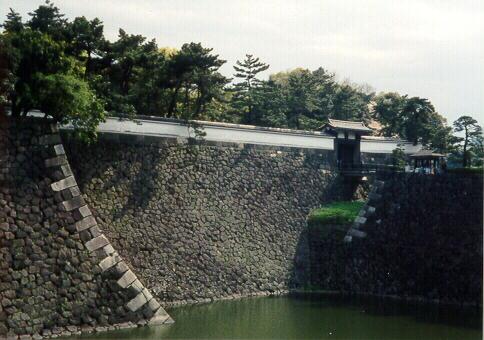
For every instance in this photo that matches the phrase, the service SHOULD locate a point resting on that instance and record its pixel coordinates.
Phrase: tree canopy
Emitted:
(42, 75)
(248, 96)
(472, 140)
(71, 72)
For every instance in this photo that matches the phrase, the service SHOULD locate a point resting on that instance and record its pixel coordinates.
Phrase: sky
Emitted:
(427, 48)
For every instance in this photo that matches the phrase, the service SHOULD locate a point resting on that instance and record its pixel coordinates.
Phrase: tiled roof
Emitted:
(426, 153)
(348, 125)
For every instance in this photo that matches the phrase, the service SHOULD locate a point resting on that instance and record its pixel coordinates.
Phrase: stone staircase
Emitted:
(357, 229)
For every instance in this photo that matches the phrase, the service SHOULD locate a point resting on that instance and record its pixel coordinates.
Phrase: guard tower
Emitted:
(347, 142)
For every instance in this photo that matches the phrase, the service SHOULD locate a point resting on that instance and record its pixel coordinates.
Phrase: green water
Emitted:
(311, 317)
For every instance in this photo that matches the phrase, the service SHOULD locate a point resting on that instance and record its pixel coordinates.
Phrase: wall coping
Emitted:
(233, 133)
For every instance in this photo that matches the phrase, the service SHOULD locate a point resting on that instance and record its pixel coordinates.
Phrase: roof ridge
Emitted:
(348, 124)
(346, 121)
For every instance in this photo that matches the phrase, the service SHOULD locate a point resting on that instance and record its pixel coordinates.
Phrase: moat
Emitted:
(311, 317)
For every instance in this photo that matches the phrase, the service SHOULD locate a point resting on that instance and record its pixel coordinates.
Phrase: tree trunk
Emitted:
(171, 108)
(187, 104)
(125, 80)
(198, 104)
(15, 109)
(88, 64)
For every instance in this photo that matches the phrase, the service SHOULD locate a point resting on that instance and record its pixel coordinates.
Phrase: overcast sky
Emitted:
(427, 48)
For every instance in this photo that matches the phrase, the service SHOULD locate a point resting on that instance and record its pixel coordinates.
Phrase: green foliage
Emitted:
(87, 40)
(477, 150)
(69, 100)
(398, 157)
(5, 82)
(413, 119)
(199, 80)
(122, 67)
(132, 75)
(248, 93)
(47, 19)
(351, 102)
(304, 99)
(472, 142)
(32, 56)
(14, 22)
(343, 212)
(417, 115)
(387, 110)
(41, 75)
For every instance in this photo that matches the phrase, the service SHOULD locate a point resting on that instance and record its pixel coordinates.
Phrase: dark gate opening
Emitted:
(345, 155)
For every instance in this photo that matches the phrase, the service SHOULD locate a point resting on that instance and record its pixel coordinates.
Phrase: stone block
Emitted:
(127, 279)
(75, 191)
(66, 170)
(147, 294)
(161, 317)
(96, 243)
(137, 286)
(85, 211)
(56, 161)
(357, 233)
(137, 302)
(169, 321)
(356, 225)
(59, 150)
(49, 139)
(109, 262)
(108, 250)
(85, 223)
(73, 203)
(121, 267)
(95, 231)
(64, 184)
(153, 305)
(370, 210)
(360, 220)
(373, 196)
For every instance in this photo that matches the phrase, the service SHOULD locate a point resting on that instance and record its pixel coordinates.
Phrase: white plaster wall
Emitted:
(386, 146)
(219, 133)
(248, 135)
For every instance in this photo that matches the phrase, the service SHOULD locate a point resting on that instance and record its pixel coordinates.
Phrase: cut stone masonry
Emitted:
(98, 241)
(59, 273)
(366, 211)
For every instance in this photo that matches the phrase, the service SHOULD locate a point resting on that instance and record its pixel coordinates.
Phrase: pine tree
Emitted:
(246, 92)
(13, 23)
(471, 130)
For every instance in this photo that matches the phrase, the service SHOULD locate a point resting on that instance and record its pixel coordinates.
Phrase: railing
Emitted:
(366, 169)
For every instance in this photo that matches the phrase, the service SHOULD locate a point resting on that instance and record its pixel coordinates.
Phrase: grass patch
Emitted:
(335, 213)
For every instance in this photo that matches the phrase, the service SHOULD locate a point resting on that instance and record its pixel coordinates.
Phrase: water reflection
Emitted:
(312, 317)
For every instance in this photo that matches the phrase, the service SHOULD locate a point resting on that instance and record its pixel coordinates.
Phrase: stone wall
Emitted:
(209, 221)
(205, 221)
(59, 274)
(419, 237)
